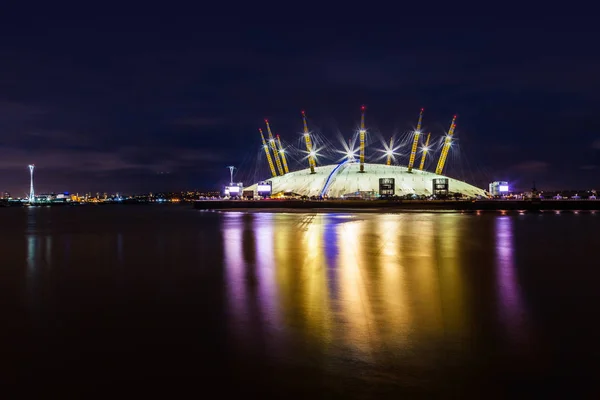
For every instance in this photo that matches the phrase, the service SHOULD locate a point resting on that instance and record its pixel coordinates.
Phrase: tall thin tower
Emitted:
(413, 151)
(446, 148)
(282, 152)
(231, 169)
(31, 191)
(311, 157)
(264, 142)
(362, 139)
(274, 148)
(425, 150)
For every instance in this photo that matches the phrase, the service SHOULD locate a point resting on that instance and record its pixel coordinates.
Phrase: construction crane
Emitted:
(264, 142)
(390, 152)
(446, 147)
(362, 139)
(425, 150)
(413, 151)
(285, 167)
(311, 158)
(274, 148)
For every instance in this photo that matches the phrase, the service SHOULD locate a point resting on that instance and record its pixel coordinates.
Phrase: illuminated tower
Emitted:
(285, 167)
(362, 133)
(311, 154)
(266, 147)
(274, 148)
(413, 151)
(231, 169)
(446, 147)
(425, 150)
(31, 191)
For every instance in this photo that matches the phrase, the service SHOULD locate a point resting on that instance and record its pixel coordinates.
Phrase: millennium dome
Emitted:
(352, 178)
(345, 179)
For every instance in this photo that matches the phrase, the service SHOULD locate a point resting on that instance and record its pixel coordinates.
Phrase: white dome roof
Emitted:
(338, 180)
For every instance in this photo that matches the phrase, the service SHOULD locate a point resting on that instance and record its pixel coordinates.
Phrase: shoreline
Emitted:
(399, 205)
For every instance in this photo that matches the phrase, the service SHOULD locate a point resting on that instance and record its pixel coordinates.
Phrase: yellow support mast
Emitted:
(413, 151)
(390, 152)
(285, 167)
(425, 150)
(446, 148)
(274, 148)
(264, 142)
(362, 133)
(311, 158)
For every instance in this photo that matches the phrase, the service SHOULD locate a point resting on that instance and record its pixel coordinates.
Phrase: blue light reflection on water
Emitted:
(330, 245)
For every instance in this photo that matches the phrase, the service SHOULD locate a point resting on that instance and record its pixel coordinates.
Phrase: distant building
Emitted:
(498, 188)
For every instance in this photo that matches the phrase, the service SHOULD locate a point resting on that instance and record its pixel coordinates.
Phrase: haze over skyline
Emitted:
(140, 100)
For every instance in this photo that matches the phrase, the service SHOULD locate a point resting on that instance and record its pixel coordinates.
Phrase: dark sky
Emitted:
(132, 99)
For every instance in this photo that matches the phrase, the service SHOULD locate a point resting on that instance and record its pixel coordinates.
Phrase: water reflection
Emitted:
(250, 278)
(331, 249)
(452, 283)
(354, 302)
(234, 263)
(424, 274)
(510, 300)
(266, 293)
(39, 247)
(371, 283)
(315, 306)
(32, 243)
(32, 257)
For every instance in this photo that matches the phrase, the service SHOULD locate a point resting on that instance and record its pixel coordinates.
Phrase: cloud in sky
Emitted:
(124, 158)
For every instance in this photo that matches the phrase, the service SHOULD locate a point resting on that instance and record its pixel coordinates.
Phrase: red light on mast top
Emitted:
(362, 108)
(266, 121)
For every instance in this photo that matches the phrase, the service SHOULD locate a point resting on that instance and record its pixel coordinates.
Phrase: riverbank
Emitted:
(416, 205)
(73, 203)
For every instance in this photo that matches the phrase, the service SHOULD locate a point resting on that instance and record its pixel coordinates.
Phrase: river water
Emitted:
(322, 305)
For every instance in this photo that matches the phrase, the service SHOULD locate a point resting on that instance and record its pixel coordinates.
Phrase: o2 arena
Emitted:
(353, 177)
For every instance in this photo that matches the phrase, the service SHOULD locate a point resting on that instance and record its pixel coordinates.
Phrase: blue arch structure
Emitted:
(332, 175)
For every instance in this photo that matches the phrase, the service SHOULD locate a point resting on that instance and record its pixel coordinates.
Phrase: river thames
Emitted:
(326, 305)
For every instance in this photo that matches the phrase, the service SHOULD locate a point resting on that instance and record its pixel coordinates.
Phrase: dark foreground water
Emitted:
(337, 305)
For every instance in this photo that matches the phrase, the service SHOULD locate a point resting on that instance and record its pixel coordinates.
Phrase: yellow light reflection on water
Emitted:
(423, 276)
(451, 280)
(314, 276)
(354, 302)
(368, 284)
(391, 308)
